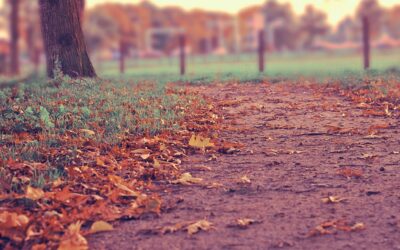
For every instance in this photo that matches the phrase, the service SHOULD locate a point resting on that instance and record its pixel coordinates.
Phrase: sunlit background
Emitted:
(222, 37)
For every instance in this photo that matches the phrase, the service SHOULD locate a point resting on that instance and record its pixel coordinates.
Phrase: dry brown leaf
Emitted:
(203, 225)
(245, 222)
(358, 226)
(200, 142)
(100, 226)
(145, 156)
(39, 247)
(174, 228)
(34, 193)
(368, 156)
(141, 151)
(87, 132)
(187, 179)
(13, 220)
(73, 239)
(333, 199)
(245, 180)
(202, 168)
(215, 185)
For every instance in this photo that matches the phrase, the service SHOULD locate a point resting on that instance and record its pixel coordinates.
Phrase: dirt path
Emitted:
(297, 142)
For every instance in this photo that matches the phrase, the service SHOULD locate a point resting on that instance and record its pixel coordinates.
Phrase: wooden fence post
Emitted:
(366, 42)
(14, 30)
(182, 45)
(261, 51)
(122, 51)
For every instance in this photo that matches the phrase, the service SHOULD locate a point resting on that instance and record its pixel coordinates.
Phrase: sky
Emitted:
(336, 9)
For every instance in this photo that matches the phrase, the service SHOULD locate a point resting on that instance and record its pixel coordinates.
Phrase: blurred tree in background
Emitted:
(14, 35)
(375, 13)
(313, 23)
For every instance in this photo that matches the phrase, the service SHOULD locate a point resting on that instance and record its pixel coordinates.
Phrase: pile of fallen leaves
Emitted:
(375, 96)
(95, 182)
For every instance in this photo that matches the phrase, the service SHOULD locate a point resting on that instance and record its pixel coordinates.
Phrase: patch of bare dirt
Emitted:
(315, 172)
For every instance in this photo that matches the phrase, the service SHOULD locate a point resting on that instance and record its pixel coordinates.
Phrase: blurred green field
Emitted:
(242, 67)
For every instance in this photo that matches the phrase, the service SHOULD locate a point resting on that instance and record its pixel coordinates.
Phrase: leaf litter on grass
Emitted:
(69, 180)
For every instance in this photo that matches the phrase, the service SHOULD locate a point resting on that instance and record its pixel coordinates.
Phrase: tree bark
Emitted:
(63, 38)
(82, 4)
(14, 31)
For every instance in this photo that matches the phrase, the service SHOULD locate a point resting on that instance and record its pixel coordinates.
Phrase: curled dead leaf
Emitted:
(10, 220)
(333, 199)
(100, 226)
(87, 132)
(73, 239)
(34, 193)
(187, 179)
(201, 225)
(200, 142)
(174, 228)
(245, 180)
(245, 222)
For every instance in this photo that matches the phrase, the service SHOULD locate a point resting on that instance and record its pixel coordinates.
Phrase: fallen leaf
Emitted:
(215, 185)
(87, 132)
(200, 142)
(203, 225)
(245, 222)
(187, 179)
(245, 180)
(34, 193)
(330, 227)
(174, 228)
(145, 156)
(368, 156)
(100, 226)
(387, 111)
(350, 173)
(156, 163)
(73, 239)
(202, 168)
(212, 158)
(13, 220)
(141, 151)
(333, 199)
(358, 226)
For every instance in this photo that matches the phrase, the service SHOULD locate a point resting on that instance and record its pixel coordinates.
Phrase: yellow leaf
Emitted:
(87, 132)
(245, 222)
(245, 180)
(215, 185)
(333, 199)
(12, 220)
(72, 238)
(141, 151)
(198, 226)
(200, 142)
(387, 111)
(145, 156)
(358, 226)
(100, 226)
(187, 179)
(34, 193)
(156, 163)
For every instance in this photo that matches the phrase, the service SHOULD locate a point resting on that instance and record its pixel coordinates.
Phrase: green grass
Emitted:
(244, 67)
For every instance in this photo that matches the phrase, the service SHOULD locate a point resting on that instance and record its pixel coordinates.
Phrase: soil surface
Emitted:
(300, 146)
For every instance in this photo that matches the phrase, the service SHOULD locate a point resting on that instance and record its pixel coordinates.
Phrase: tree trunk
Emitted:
(82, 4)
(63, 39)
(14, 31)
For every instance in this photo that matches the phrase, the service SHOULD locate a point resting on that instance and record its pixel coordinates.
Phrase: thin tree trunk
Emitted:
(63, 38)
(14, 26)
